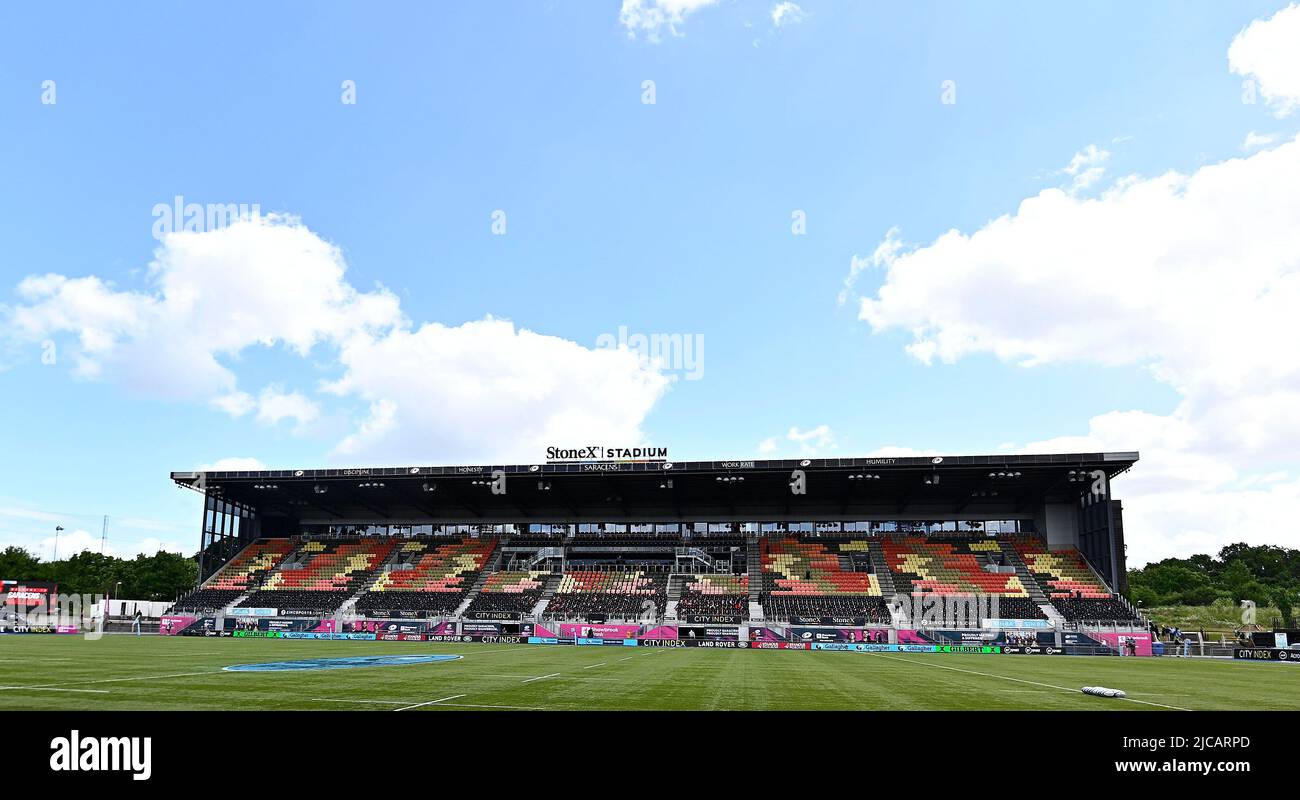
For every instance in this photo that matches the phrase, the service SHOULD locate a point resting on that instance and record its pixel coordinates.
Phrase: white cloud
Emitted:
(649, 18)
(234, 464)
(808, 443)
(786, 13)
(73, 542)
(210, 296)
(1195, 278)
(1086, 167)
(274, 405)
(1268, 51)
(1254, 141)
(236, 404)
(483, 390)
(488, 391)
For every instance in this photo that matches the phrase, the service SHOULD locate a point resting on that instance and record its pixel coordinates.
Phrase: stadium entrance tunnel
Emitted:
(350, 662)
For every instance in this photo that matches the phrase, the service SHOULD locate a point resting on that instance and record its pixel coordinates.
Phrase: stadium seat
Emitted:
(243, 572)
(509, 592)
(714, 595)
(615, 594)
(431, 577)
(807, 579)
(320, 576)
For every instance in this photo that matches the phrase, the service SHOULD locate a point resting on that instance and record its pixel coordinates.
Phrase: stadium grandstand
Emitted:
(743, 546)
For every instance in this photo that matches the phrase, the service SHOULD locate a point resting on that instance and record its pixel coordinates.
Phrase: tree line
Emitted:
(161, 576)
(1265, 574)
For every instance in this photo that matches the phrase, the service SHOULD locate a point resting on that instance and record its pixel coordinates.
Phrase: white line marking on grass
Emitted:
(513, 708)
(400, 702)
(1017, 680)
(117, 680)
(629, 658)
(52, 689)
(430, 703)
(592, 666)
(540, 677)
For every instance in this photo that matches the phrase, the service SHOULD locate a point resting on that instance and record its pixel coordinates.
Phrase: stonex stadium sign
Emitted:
(559, 455)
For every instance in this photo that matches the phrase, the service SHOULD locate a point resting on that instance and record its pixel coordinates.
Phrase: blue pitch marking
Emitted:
(350, 662)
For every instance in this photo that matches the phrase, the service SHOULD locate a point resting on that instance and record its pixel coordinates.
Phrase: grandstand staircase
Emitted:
(1036, 592)
(675, 584)
(691, 555)
(548, 591)
(493, 562)
(544, 554)
(241, 598)
(878, 562)
(217, 571)
(349, 607)
(754, 566)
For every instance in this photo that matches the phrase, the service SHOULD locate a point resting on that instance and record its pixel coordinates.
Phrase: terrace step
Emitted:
(675, 585)
(1053, 616)
(548, 591)
(488, 568)
(881, 565)
(349, 607)
(1026, 577)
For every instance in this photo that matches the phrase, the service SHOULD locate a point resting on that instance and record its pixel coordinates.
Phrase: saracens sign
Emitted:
(597, 452)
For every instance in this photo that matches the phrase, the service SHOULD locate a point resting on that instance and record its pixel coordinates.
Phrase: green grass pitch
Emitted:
(182, 673)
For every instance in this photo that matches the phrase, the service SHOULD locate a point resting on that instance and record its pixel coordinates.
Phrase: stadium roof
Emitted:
(840, 488)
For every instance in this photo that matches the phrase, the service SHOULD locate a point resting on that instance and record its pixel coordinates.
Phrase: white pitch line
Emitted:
(400, 702)
(540, 677)
(1017, 680)
(592, 666)
(430, 703)
(629, 658)
(116, 680)
(53, 689)
(512, 708)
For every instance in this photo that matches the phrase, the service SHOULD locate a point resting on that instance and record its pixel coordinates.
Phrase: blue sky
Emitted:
(673, 217)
